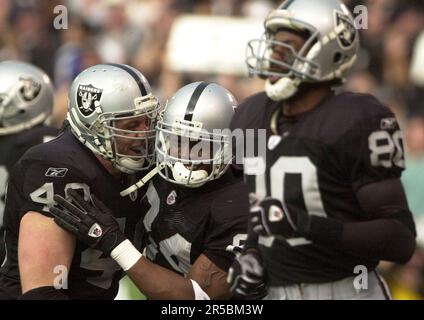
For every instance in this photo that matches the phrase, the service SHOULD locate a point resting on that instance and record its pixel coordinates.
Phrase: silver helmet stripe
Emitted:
(193, 100)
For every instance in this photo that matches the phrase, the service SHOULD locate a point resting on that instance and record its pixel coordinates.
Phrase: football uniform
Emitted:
(53, 168)
(317, 162)
(12, 147)
(183, 223)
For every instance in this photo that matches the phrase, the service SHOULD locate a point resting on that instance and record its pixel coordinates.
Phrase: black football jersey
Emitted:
(316, 162)
(12, 147)
(53, 168)
(183, 223)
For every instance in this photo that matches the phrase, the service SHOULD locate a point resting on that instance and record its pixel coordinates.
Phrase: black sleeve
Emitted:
(227, 228)
(45, 293)
(36, 182)
(252, 238)
(373, 147)
(388, 235)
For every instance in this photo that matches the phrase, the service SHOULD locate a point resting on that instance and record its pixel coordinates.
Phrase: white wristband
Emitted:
(199, 294)
(126, 255)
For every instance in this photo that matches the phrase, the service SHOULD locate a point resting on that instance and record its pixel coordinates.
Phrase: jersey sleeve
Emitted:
(227, 229)
(373, 147)
(34, 183)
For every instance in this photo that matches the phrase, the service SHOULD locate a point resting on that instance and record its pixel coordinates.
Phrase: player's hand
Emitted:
(93, 225)
(270, 217)
(247, 277)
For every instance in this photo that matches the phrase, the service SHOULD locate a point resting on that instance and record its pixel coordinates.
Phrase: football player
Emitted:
(198, 210)
(26, 102)
(111, 115)
(327, 202)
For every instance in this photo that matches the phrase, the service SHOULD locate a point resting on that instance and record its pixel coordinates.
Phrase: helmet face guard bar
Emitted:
(106, 133)
(258, 59)
(174, 148)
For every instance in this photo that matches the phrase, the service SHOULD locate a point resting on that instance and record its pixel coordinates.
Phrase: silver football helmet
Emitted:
(26, 96)
(100, 99)
(328, 54)
(193, 136)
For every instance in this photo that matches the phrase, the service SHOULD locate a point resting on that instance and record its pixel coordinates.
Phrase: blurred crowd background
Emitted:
(147, 33)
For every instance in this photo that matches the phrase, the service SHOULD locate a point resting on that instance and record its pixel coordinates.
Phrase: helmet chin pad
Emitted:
(128, 165)
(283, 89)
(181, 175)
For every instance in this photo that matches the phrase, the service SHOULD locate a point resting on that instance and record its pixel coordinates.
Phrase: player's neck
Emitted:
(109, 167)
(305, 100)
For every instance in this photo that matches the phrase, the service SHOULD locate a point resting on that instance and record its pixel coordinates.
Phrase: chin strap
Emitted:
(283, 89)
(185, 176)
(142, 181)
(128, 165)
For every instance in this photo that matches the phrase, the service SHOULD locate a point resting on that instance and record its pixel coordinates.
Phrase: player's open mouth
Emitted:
(274, 79)
(139, 150)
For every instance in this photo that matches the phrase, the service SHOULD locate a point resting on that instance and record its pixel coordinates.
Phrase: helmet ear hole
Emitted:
(338, 57)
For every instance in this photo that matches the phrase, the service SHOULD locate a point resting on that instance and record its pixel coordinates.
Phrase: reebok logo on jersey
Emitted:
(56, 172)
(388, 123)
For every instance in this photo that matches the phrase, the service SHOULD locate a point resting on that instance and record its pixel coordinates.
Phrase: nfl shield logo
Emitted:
(88, 98)
(275, 214)
(172, 198)
(346, 37)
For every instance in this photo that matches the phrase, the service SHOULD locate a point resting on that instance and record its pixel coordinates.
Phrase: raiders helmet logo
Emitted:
(348, 35)
(88, 98)
(30, 88)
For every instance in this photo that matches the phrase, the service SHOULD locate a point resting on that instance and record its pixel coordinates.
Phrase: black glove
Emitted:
(269, 217)
(95, 226)
(247, 277)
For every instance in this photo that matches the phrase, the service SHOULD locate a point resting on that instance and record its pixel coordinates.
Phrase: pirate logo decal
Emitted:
(30, 88)
(88, 99)
(348, 34)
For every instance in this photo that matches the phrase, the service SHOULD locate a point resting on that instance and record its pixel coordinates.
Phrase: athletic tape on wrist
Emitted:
(199, 294)
(126, 255)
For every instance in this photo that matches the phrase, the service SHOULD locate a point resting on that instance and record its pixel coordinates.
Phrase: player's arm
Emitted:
(373, 160)
(224, 234)
(204, 281)
(96, 227)
(159, 283)
(246, 275)
(42, 247)
(389, 234)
